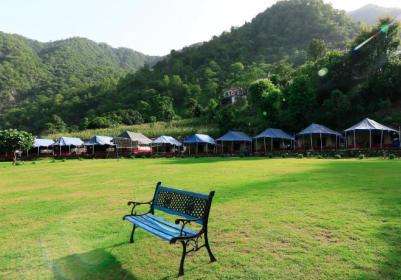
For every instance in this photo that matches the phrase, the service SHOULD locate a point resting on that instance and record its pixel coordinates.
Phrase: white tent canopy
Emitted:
(369, 124)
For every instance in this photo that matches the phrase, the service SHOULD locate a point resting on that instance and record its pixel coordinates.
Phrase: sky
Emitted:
(153, 27)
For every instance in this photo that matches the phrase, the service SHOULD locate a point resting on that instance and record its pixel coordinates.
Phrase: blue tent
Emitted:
(167, 140)
(325, 136)
(69, 141)
(235, 136)
(199, 139)
(274, 133)
(42, 143)
(100, 141)
(319, 129)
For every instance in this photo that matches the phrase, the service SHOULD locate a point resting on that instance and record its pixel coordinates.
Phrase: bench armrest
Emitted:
(184, 222)
(136, 203)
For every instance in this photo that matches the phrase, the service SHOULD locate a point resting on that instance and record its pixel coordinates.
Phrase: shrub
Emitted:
(391, 156)
(361, 156)
(337, 156)
(300, 156)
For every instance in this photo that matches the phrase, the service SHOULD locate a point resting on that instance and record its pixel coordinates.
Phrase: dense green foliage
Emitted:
(187, 83)
(38, 80)
(293, 61)
(12, 140)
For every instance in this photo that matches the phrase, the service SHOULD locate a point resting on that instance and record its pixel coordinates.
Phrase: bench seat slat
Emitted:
(158, 226)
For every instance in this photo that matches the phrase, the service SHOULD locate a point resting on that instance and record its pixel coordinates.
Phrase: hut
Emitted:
(273, 139)
(42, 147)
(166, 145)
(318, 137)
(68, 146)
(235, 142)
(199, 144)
(133, 143)
(101, 146)
(370, 134)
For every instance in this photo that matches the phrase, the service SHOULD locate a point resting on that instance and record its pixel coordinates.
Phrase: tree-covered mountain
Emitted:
(28, 67)
(285, 47)
(371, 13)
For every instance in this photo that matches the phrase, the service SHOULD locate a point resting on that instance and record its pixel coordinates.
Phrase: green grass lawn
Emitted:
(271, 219)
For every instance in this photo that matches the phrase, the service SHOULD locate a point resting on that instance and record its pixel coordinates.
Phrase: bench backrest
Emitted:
(181, 203)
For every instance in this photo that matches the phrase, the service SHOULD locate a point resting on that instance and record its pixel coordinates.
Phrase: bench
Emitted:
(189, 206)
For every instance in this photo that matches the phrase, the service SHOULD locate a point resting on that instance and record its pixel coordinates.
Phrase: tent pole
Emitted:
(311, 142)
(321, 143)
(336, 141)
(271, 144)
(346, 141)
(38, 151)
(370, 139)
(197, 148)
(264, 141)
(354, 141)
(381, 141)
(399, 137)
(232, 147)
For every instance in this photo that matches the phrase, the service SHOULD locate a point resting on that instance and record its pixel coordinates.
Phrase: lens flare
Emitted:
(323, 72)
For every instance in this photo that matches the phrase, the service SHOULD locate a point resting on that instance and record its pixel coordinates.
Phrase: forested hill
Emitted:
(370, 14)
(283, 31)
(293, 60)
(28, 67)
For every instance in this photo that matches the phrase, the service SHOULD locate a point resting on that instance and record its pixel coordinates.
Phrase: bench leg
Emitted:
(184, 253)
(131, 240)
(212, 258)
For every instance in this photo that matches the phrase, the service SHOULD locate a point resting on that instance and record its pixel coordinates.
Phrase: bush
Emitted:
(337, 156)
(270, 155)
(391, 156)
(300, 156)
(320, 157)
(361, 156)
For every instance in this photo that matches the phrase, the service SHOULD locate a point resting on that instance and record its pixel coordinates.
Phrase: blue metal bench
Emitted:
(191, 207)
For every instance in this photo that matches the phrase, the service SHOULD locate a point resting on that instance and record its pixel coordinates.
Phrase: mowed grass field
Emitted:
(271, 219)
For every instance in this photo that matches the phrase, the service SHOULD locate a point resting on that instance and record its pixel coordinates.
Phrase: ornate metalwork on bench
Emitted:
(191, 207)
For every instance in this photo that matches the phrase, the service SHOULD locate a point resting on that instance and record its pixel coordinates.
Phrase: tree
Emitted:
(317, 49)
(56, 124)
(266, 98)
(12, 140)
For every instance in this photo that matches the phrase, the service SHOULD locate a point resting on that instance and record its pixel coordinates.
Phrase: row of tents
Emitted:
(367, 134)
